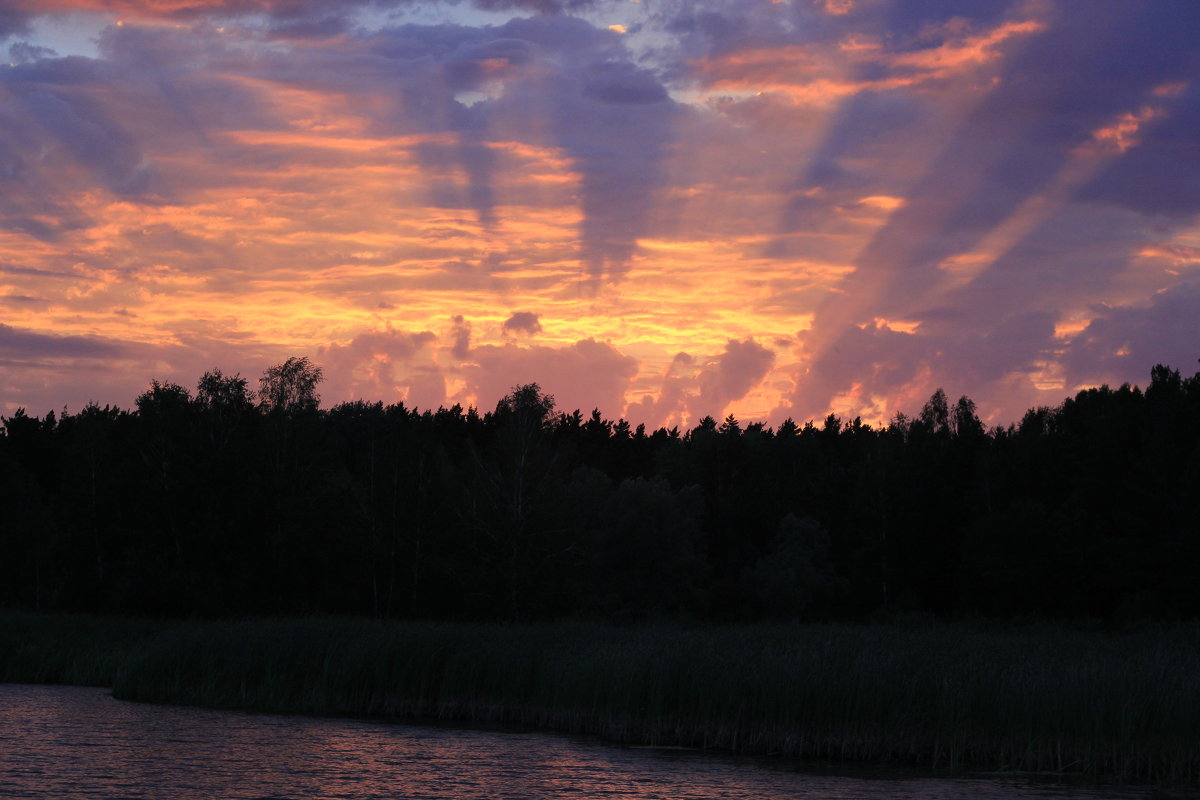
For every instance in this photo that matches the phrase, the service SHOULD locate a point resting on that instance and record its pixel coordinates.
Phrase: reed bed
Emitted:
(69, 648)
(1124, 706)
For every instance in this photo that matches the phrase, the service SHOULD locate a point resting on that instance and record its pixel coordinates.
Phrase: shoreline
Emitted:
(1043, 699)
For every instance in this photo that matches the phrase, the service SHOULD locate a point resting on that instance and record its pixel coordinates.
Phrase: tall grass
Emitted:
(1045, 699)
(68, 648)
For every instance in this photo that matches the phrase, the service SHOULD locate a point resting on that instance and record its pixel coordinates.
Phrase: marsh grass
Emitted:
(1124, 706)
(67, 648)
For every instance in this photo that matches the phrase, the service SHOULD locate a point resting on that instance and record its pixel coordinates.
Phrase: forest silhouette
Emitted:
(228, 502)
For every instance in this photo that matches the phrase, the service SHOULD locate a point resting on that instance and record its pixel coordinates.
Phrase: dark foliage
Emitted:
(210, 504)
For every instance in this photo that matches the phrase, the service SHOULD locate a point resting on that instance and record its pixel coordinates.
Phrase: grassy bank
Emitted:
(69, 649)
(1119, 705)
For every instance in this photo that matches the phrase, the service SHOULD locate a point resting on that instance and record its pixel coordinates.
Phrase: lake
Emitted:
(67, 742)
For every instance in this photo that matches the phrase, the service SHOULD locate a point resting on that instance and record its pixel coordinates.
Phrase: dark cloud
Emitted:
(874, 356)
(1047, 103)
(18, 343)
(739, 368)
(169, 114)
(461, 332)
(1090, 248)
(622, 84)
(37, 273)
(562, 82)
(1014, 344)
(478, 162)
(543, 6)
(612, 117)
(13, 21)
(22, 52)
(618, 148)
(72, 372)
(64, 114)
(477, 62)
(1161, 175)
(1126, 341)
(525, 322)
(702, 30)
(317, 27)
(1055, 89)
(924, 21)
(706, 387)
(92, 137)
(995, 362)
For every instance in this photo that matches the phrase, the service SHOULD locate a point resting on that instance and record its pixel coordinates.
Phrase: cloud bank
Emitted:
(766, 209)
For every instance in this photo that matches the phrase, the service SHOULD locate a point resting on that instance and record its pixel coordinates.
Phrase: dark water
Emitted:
(71, 742)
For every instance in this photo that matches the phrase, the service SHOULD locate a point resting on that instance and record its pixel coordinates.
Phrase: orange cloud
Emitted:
(820, 74)
(415, 210)
(1122, 133)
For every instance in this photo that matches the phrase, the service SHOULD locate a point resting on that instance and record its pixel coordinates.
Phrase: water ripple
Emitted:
(72, 743)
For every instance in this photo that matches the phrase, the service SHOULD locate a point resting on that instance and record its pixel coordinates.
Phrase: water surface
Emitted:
(72, 742)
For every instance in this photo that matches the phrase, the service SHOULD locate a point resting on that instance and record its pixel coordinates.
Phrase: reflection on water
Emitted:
(71, 742)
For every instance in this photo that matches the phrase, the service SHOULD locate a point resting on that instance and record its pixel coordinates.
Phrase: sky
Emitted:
(663, 209)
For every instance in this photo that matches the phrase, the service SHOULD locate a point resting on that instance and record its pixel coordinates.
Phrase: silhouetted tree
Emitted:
(214, 505)
(963, 422)
(291, 386)
(646, 551)
(796, 571)
(935, 414)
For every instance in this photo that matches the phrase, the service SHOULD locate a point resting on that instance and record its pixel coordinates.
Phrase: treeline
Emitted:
(224, 502)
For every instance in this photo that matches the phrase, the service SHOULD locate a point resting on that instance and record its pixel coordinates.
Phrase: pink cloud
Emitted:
(231, 183)
(586, 375)
(387, 365)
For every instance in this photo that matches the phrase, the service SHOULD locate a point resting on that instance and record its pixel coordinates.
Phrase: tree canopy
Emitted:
(205, 503)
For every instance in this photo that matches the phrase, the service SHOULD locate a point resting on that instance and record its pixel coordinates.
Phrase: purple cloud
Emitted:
(998, 194)
(525, 322)
(586, 375)
(18, 343)
(737, 370)
(385, 365)
(1125, 341)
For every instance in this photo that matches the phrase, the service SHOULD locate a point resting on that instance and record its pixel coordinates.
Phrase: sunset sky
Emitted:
(660, 208)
